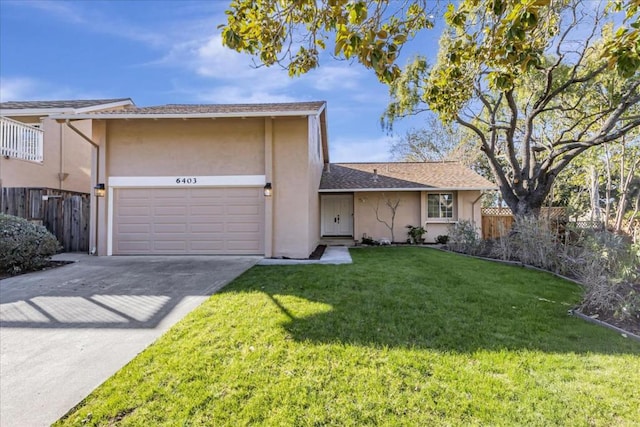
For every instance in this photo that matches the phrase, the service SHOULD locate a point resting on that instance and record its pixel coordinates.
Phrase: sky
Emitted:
(168, 52)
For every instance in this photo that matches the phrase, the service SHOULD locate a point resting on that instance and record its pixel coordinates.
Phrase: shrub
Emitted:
(415, 234)
(464, 237)
(369, 241)
(603, 262)
(24, 246)
(442, 239)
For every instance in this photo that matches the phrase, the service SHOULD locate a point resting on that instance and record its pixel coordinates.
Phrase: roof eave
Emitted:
(55, 112)
(156, 116)
(347, 190)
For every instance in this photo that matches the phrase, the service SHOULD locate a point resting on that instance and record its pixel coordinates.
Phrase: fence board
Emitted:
(65, 214)
(498, 221)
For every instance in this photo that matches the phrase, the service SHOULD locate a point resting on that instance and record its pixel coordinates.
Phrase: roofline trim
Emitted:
(155, 116)
(431, 189)
(19, 112)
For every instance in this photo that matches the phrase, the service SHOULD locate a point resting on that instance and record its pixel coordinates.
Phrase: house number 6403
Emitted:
(186, 180)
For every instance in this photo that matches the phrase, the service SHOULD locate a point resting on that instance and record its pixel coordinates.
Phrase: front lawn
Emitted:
(404, 336)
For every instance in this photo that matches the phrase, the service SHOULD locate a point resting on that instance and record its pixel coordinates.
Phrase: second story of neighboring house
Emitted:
(38, 151)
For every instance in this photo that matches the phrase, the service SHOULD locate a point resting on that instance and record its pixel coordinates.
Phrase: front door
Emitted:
(337, 214)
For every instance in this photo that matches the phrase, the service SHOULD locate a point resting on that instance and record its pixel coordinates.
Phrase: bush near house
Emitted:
(24, 246)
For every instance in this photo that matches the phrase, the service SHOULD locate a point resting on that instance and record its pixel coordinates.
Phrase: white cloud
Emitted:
(239, 95)
(18, 88)
(335, 77)
(30, 89)
(93, 19)
(359, 149)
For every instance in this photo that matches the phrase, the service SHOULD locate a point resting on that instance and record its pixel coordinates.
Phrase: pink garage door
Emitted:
(173, 221)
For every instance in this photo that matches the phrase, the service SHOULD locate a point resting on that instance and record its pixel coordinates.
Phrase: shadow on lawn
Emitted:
(501, 307)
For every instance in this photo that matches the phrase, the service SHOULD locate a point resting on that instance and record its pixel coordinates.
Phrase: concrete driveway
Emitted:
(65, 331)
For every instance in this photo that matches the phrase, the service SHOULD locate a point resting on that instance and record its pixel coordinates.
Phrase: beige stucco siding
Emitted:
(64, 151)
(200, 147)
(278, 148)
(291, 169)
(364, 205)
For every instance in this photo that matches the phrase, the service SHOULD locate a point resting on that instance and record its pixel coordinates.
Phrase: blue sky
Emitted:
(162, 52)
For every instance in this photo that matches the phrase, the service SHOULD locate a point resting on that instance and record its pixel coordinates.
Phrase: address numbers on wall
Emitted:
(185, 180)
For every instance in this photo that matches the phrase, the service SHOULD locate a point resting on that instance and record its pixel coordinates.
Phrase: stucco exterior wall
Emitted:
(364, 214)
(278, 148)
(201, 147)
(291, 175)
(64, 152)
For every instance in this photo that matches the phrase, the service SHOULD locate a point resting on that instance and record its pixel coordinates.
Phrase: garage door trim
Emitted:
(182, 181)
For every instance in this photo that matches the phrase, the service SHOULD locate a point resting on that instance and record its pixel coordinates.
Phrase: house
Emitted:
(37, 151)
(355, 198)
(248, 179)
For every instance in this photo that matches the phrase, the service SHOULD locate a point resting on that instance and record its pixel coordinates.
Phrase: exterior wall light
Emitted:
(268, 190)
(99, 190)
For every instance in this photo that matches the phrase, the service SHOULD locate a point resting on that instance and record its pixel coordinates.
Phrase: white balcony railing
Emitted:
(20, 140)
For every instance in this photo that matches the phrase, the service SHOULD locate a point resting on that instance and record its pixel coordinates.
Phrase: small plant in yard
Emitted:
(442, 239)
(464, 237)
(415, 234)
(24, 246)
(366, 240)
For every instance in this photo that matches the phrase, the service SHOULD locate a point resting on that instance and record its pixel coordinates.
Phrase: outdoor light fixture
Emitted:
(268, 190)
(99, 190)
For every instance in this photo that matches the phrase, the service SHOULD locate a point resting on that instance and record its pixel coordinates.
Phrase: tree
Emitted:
(392, 204)
(293, 33)
(435, 142)
(440, 142)
(523, 76)
(534, 103)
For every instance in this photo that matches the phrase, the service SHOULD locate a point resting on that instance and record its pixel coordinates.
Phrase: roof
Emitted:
(181, 111)
(27, 108)
(402, 176)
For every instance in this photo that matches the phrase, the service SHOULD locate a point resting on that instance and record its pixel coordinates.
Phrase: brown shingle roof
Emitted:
(76, 103)
(187, 109)
(429, 175)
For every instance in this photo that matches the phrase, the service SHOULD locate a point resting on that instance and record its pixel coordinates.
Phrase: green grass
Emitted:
(404, 336)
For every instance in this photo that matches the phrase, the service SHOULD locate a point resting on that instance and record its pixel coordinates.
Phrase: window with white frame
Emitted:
(440, 206)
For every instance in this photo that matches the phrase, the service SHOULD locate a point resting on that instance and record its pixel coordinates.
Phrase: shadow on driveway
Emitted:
(112, 292)
(66, 330)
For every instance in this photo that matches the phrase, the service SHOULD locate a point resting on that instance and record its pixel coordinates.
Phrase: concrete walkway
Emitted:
(332, 255)
(65, 331)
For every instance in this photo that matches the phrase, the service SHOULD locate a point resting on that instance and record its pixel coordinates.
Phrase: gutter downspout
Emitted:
(93, 250)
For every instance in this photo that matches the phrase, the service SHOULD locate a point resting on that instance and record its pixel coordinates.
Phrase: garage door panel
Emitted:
(133, 228)
(170, 228)
(189, 221)
(243, 210)
(170, 210)
(207, 210)
(134, 246)
(207, 228)
(241, 227)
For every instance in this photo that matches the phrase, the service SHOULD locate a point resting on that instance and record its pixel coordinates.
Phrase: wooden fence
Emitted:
(64, 213)
(498, 221)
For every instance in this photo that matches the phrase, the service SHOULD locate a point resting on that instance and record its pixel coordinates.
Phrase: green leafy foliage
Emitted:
(294, 34)
(24, 246)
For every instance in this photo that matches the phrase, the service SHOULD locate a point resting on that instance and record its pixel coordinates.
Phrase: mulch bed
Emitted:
(318, 252)
(48, 266)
